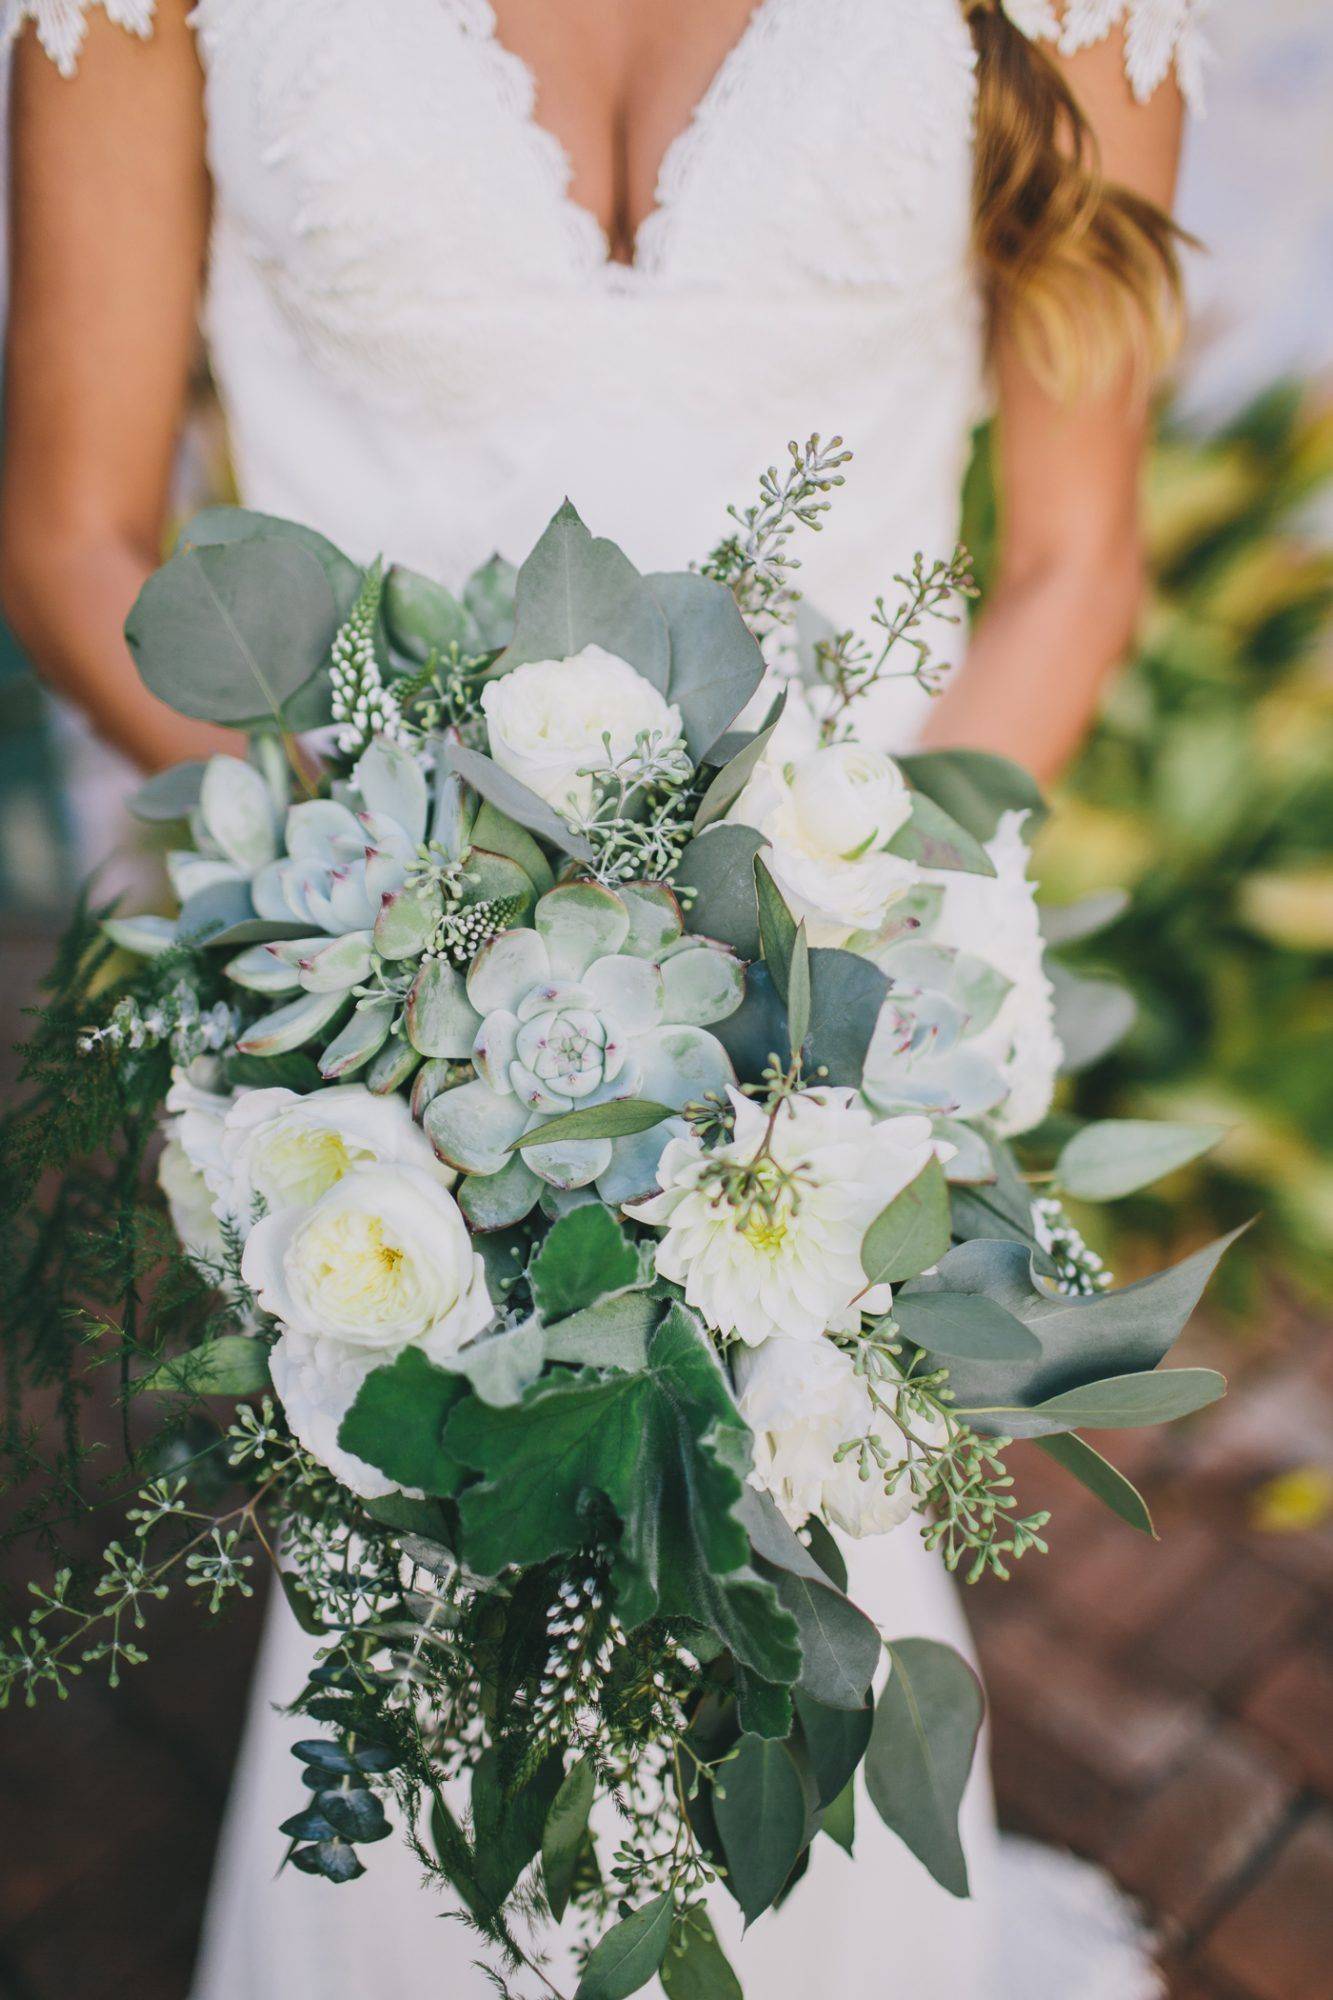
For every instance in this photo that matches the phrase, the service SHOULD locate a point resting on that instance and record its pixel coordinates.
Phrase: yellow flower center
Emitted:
(356, 1272)
(303, 1162)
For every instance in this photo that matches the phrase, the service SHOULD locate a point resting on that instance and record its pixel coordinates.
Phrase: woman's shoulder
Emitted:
(62, 24)
(1160, 35)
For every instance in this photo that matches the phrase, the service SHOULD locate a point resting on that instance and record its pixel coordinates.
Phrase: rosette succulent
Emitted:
(372, 884)
(604, 998)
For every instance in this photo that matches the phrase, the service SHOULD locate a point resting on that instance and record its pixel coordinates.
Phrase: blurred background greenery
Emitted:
(1205, 791)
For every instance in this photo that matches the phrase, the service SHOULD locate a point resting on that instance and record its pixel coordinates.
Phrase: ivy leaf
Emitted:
(625, 1959)
(585, 1255)
(921, 1747)
(669, 1451)
(614, 1333)
(235, 1364)
(397, 1422)
(564, 1833)
(912, 1233)
(759, 1807)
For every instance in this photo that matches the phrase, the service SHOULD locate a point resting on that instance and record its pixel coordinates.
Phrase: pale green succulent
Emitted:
(380, 896)
(605, 998)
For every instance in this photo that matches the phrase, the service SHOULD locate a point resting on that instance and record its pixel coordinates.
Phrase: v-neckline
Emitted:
(590, 238)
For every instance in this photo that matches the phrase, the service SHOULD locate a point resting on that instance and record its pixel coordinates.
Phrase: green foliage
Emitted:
(921, 1747)
(912, 1233)
(627, 1957)
(666, 1448)
(397, 1422)
(1203, 789)
(759, 1806)
(585, 1255)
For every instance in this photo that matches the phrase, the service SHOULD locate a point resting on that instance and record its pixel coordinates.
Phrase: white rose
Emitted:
(791, 1265)
(996, 918)
(827, 814)
(550, 720)
(802, 1399)
(277, 1148)
(189, 1200)
(381, 1262)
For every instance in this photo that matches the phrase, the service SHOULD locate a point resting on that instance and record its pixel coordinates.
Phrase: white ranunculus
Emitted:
(793, 1265)
(189, 1200)
(995, 917)
(802, 1399)
(382, 1261)
(827, 814)
(278, 1148)
(550, 720)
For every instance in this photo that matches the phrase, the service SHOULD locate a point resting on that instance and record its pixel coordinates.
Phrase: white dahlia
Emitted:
(787, 1259)
(802, 1400)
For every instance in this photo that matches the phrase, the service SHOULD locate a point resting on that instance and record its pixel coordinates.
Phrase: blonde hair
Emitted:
(1085, 273)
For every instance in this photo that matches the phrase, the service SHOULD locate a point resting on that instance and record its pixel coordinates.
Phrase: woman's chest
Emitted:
(388, 153)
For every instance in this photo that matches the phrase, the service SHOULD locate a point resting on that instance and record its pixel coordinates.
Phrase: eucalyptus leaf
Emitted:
(564, 1833)
(718, 866)
(629, 1955)
(217, 526)
(974, 787)
(1091, 1015)
(423, 617)
(759, 1807)
(622, 1115)
(777, 927)
(736, 773)
(836, 1740)
(934, 840)
(967, 1326)
(1117, 1156)
(716, 664)
(577, 590)
(925, 1732)
(230, 633)
(839, 1644)
(1111, 1403)
(912, 1232)
(695, 1966)
(1069, 923)
(1100, 1477)
(515, 800)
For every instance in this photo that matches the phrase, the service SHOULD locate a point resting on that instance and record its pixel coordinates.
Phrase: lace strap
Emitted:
(62, 24)
(1159, 35)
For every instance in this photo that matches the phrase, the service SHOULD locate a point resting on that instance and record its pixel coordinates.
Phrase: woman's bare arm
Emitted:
(109, 232)
(1066, 599)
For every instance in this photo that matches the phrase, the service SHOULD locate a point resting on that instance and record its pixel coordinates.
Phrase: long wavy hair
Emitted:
(1084, 272)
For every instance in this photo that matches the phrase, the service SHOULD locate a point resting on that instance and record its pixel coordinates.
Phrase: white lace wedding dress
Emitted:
(421, 344)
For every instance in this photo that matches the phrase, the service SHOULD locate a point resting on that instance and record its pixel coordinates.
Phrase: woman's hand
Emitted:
(1065, 604)
(109, 239)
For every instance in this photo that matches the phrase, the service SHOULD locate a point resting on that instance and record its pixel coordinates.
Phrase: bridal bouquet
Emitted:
(590, 1111)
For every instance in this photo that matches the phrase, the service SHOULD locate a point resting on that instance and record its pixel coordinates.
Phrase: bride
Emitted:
(456, 258)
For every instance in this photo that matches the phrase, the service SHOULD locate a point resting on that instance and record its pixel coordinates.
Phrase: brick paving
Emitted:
(1165, 1709)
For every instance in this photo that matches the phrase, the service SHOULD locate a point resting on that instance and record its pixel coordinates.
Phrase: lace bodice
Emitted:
(420, 339)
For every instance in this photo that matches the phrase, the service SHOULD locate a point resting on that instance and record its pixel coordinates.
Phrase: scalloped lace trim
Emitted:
(1159, 34)
(62, 24)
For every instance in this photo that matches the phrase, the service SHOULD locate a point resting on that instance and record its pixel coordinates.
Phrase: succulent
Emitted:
(604, 998)
(383, 886)
(922, 1055)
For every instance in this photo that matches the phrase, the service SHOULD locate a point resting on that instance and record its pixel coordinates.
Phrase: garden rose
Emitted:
(552, 719)
(277, 1148)
(790, 1265)
(380, 1262)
